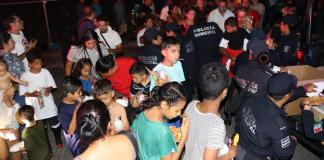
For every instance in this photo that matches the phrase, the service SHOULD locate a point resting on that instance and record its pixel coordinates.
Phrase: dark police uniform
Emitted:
(264, 131)
(285, 53)
(150, 55)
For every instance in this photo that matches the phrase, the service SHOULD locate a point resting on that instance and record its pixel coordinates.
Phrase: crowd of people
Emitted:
(195, 61)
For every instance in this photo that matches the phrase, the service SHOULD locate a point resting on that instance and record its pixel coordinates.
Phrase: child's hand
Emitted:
(47, 91)
(24, 83)
(34, 94)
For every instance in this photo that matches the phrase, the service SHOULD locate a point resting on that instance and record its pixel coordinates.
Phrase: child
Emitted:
(82, 71)
(71, 92)
(6, 78)
(38, 94)
(141, 84)
(103, 91)
(154, 138)
(206, 125)
(233, 43)
(170, 69)
(33, 136)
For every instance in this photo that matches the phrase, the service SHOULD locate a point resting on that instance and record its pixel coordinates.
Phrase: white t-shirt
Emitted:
(112, 37)
(216, 17)
(7, 115)
(174, 73)
(21, 45)
(139, 35)
(36, 82)
(207, 130)
(76, 53)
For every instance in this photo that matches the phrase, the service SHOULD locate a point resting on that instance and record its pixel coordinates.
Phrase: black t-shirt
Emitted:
(139, 88)
(206, 38)
(285, 53)
(150, 55)
(188, 57)
(65, 114)
(236, 39)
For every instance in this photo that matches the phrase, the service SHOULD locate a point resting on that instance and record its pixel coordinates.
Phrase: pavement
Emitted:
(53, 62)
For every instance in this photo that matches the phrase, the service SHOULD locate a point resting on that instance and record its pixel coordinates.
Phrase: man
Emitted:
(15, 25)
(286, 46)
(148, 23)
(220, 14)
(108, 36)
(87, 22)
(207, 130)
(205, 37)
(165, 10)
(261, 122)
(150, 54)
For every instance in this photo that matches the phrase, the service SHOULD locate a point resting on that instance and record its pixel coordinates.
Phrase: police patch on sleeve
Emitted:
(285, 142)
(318, 127)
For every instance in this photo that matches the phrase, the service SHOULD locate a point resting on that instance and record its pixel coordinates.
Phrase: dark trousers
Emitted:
(53, 124)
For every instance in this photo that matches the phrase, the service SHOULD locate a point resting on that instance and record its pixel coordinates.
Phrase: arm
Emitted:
(119, 49)
(308, 123)
(134, 101)
(13, 78)
(68, 67)
(124, 119)
(31, 46)
(211, 154)
(223, 52)
(73, 123)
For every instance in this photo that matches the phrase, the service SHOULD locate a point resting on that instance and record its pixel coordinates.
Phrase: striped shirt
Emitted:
(207, 130)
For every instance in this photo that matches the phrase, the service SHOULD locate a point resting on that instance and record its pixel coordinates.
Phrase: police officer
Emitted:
(261, 122)
(286, 47)
(312, 129)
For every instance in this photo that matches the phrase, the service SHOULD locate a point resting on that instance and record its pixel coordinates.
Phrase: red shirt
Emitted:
(121, 79)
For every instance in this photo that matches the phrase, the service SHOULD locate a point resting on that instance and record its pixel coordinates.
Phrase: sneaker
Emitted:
(17, 147)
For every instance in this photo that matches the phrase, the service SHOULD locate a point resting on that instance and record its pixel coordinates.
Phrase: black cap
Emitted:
(291, 20)
(281, 83)
(257, 33)
(150, 34)
(256, 47)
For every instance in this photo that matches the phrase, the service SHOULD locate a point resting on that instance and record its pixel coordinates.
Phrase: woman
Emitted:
(93, 123)
(89, 48)
(174, 15)
(190, 14)
(155, 139)
(15, 65)
(9, 133)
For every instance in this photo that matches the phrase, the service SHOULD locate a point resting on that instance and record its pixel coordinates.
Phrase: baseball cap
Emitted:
(257, 33)
(281, 83)
(257, 46)
(150, 34)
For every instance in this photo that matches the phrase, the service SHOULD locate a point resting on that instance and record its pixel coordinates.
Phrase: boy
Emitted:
(170, 69)
(234, 41)
(33, 136)
(71, 92)
(141, 85)
(38, 94)
(207, 130)
(103, 91)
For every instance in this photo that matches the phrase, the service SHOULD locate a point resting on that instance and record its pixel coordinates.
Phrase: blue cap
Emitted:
(256, 47)
(171, 27)
(150, 34)
(281, 83)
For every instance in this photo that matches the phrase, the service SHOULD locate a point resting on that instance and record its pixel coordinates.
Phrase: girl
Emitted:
(155, 139)
(6, 78)
(82, 71)
(93, 121)
(103, 91)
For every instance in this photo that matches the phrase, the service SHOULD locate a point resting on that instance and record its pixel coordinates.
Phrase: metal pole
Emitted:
(46, 23)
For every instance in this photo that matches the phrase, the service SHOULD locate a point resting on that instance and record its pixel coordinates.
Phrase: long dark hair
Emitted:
(170, 92)
(79, 66)
(92, 120)
(90, 34)
(4, 38)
